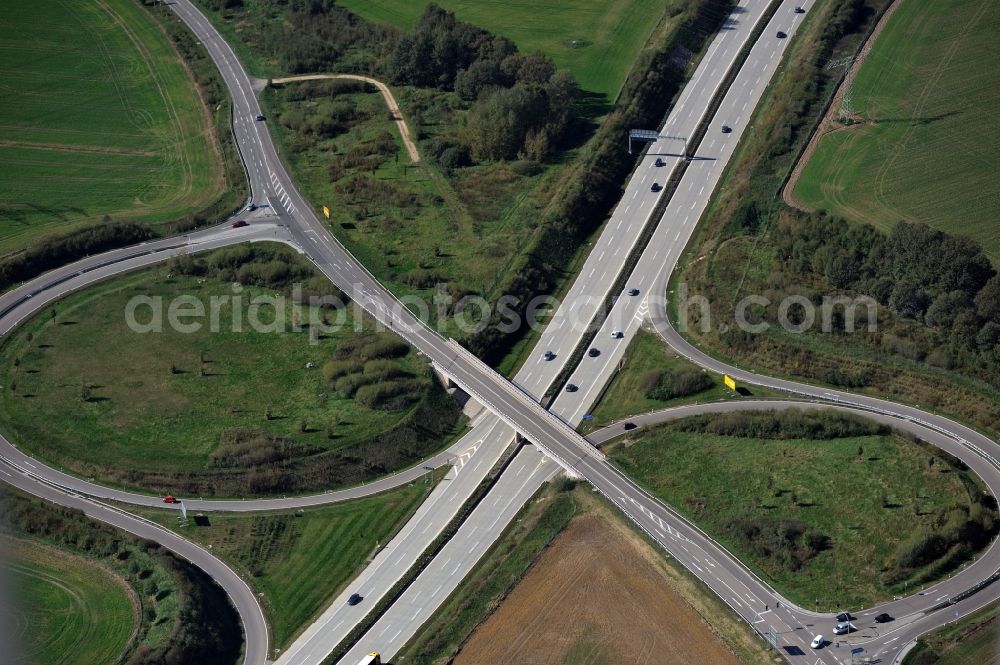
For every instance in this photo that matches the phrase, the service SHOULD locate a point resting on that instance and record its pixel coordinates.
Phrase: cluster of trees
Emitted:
(206, 628)
(313, 35)
(322, 120)
(814, 424)
(663, 385)
(942, 280)
(522, 104)
(786, 544)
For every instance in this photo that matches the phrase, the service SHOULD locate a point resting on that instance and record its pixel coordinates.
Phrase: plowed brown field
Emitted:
(595, 597)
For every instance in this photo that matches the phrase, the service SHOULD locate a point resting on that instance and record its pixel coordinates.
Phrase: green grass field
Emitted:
(70, 611)
(930, 153)
(597, 40)
(413, 227)
(161, 407)
(299, 561)
(865, 504)
(99, 118)
(972, 641)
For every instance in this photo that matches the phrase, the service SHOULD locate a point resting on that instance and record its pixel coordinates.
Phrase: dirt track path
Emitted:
(390, 101)
(829, 122)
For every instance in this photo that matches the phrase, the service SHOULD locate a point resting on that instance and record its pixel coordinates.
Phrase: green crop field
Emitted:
(180, 411)
(926, 150)
(865, 494)
(300, 561)
(597, 40)
(99, 117)
(70, 611)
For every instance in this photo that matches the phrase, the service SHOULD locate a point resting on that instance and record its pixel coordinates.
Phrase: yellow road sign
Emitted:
(728, 380)
(326, 212)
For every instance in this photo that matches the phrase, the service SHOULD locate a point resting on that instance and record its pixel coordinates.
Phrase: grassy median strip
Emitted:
(654, 377)
(383, 605)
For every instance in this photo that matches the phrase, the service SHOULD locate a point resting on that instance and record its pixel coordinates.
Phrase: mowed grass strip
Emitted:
(85, 392)
(927, 149)
(866, 494)
(597, 40)
(100, 117)
(300, 561)
(975, 640)
(69, 611)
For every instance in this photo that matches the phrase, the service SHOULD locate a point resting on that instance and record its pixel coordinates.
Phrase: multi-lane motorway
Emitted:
(516, 408)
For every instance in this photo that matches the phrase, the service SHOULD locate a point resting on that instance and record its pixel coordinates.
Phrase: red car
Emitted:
(170, 499)
(240, 224)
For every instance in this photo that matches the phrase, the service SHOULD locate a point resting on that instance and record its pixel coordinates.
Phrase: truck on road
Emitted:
(371, 659)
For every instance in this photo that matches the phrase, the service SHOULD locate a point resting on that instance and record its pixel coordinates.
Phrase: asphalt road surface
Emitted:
(566, 328)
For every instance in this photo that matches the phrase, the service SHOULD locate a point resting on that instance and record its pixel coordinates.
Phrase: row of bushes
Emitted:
(813, 424)
(61, 250)
(248, 448)
(363, 369)
(264, 265)
(205, 629)
(523, 105)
